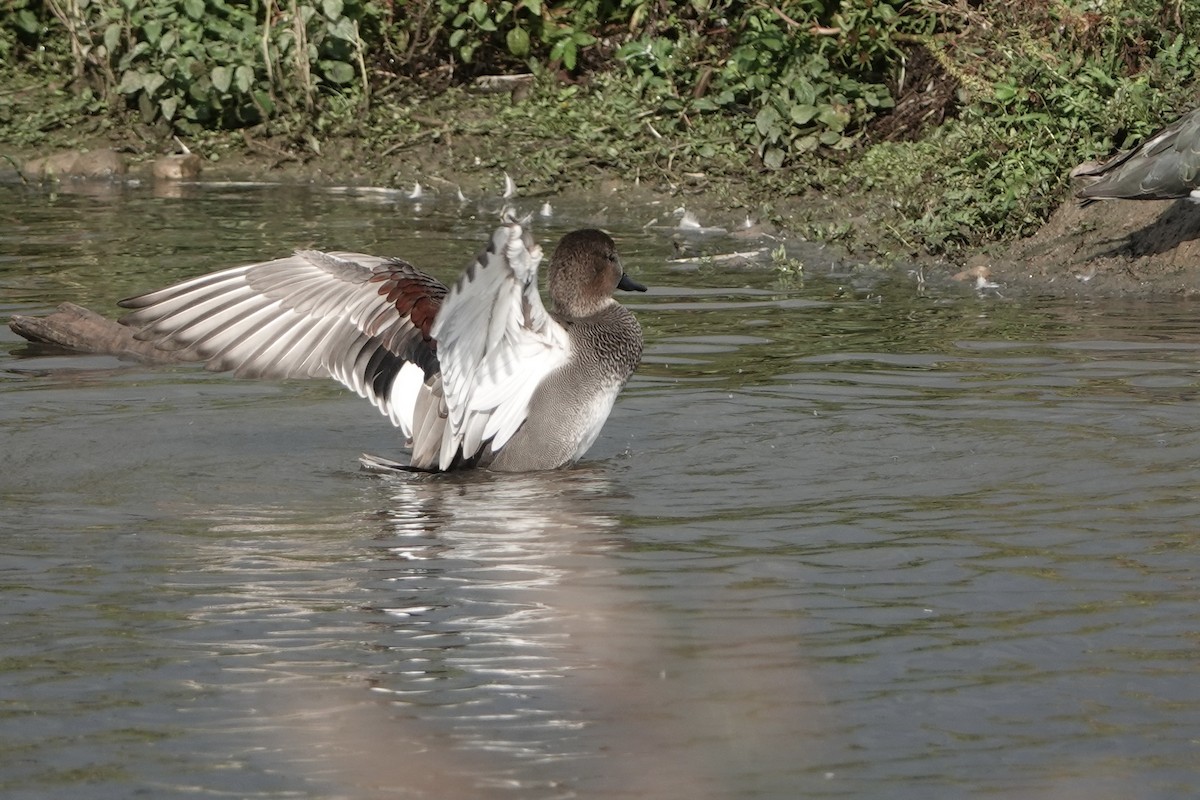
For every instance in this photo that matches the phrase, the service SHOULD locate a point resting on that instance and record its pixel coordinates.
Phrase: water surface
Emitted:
(842, 537)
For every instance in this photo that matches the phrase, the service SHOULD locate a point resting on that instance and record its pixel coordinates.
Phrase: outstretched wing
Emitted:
(496, 343)
(362, 320)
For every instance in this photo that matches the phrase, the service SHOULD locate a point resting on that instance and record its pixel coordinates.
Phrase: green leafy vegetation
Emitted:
(198, 64)
(791, 82)
(1045, 86)
(960, 120)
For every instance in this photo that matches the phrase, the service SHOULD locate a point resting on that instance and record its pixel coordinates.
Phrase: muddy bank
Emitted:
(1146, 247)
(1115, 248)
(440, 169)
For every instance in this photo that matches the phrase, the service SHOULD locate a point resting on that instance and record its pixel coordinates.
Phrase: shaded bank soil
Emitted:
(1146, 248)
(1149, 247)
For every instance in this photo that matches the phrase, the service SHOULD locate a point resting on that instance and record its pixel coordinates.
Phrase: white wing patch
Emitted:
(406, 388)
(496, 344)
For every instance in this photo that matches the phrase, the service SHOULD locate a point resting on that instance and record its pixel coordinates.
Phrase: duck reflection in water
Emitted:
(511, 650)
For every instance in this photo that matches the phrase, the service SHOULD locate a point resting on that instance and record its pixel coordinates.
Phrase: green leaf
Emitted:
(27, 22)
(131, 82)
(152, 31)
(112, 37)
(167, 43)
(146, 108)
(151, 83)
(332, 9)
(243, 77)
(344, 29)
(127, 60)
(564, 49)
(803, 114)
(518, 42)
(804, 91)
(265, 102)
(534, 6)
(339, 71)
(194, 8)
(221, 78)
(767, 121)
(805, 143)
(833, 119)
(478, 10)
(773, 158)
(168, 105)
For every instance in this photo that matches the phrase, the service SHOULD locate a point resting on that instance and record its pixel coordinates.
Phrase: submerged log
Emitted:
(76, 328)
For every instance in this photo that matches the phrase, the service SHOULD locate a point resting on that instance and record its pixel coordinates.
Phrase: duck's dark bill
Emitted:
(629, 284)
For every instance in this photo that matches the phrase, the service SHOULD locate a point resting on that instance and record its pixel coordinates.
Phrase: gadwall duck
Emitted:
(1166, 167)
(477, 375)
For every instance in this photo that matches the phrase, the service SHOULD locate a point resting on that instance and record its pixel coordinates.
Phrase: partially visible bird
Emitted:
(1166, 167)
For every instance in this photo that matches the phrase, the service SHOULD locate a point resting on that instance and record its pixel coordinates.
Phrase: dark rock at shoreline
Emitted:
(75, 164)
